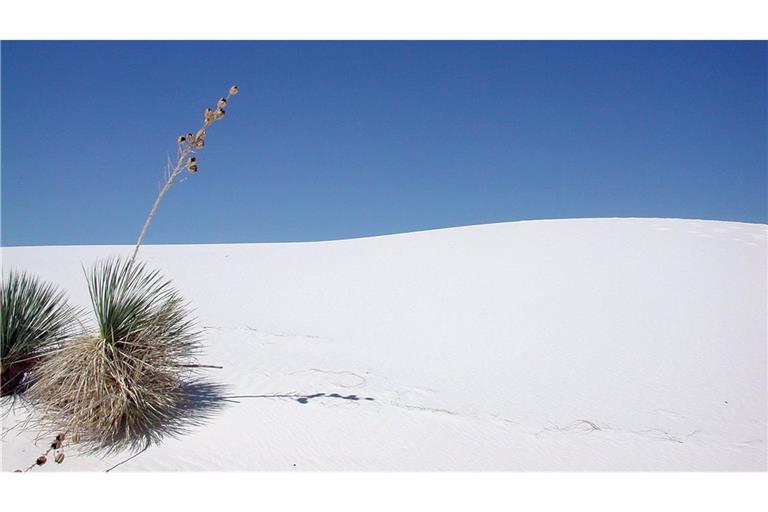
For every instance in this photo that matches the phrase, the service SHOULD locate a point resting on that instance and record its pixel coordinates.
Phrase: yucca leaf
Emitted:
(135, 305)
(35, 317)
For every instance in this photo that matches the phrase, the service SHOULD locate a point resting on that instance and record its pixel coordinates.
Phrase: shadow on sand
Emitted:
(197, 402)
(302, 399)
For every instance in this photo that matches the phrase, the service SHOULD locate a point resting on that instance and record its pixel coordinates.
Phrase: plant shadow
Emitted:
(195, 402)
(306, 398)
(303, 399)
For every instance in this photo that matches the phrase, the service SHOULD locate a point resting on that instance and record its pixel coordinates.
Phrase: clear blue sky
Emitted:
(331, 140)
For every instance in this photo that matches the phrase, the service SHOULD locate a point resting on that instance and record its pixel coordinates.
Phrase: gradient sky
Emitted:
(330, 140)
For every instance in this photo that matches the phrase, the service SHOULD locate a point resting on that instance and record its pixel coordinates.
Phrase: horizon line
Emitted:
(399, 233)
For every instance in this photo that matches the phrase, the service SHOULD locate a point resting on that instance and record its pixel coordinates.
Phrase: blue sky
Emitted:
(330, 140)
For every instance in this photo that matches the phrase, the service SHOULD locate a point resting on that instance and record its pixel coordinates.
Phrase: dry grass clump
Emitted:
(34, 319)
(123, 385)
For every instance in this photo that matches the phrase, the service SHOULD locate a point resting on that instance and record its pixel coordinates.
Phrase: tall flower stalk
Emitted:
(188, 145)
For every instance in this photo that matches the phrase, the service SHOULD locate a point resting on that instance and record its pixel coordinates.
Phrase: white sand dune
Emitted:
(595, 344)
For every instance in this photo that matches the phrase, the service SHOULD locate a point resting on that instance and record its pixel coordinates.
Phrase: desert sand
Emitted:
(590, 344)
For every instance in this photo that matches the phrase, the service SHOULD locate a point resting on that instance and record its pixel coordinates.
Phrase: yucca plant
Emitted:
(35, 318)
(125, 385)
(120, 386)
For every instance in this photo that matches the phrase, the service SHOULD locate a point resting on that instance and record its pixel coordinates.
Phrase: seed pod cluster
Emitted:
(191, 142)
(56, 448)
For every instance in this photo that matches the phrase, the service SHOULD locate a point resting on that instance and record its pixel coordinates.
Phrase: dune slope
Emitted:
(594, 344)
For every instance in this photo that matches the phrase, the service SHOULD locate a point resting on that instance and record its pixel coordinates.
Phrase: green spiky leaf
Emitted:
(136, 305)
(35, 316)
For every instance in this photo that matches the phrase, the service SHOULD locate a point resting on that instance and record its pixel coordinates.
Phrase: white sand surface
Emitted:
(591, 344)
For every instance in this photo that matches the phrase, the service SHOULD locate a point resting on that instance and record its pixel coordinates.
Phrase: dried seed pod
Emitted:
(181, 139)
(76, 437)
(41, 460)
(233, 90)
(56, 444)
(221, 103)
(219, 114)
(59, 458)
(208, 116)
(199, 143)
(192, 168)
(61, 437)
